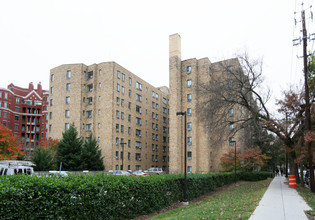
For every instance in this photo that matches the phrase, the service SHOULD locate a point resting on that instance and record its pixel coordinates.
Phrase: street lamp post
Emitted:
(185, 160)
(234, 161)
(122, 158)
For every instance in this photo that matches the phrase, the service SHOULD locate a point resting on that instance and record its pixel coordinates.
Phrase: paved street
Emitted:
(280, 202)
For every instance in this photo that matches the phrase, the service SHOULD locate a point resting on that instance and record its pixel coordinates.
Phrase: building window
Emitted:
(51, 102)
(50, 115)
(122, 90)
(138, 144)
(129, 117)
(99, 112)
(0, 94)
(90, 87)
(117, 141)
(189, 111)
(129, 142)
(231, 112)
(153, 105)
(189, 83)
(138, 97)
(138, 121)
(51, 90)
(188, 97)
(129, 155)
(138, 109)
(189, 170)
(122, 116)
(99, 125)
(188, 69)
(123, 77)
(129, 92)
(88, 127)
(17, 100)
(189, 126)
(118, 74)
(189, 155)
(68, 74)
(129, 130)
(118, 87)
(90, 75)
(17, 109)
(122, 103)
(16, 118)
(164, 120)
(68, 100)
(122, 129)
(67, 113)
(99, 85)
(117, 114)
(138, 86)
(231, 126)
(157, 106)
(138, 156)
(230, 69)
(66, 126)
(189, 140)
(100, 72)
(49, 128)
(138, 133)
(89, 100)
(164, 101)
(117, 100)
(230, 84)
(89, 114)
(130, 81)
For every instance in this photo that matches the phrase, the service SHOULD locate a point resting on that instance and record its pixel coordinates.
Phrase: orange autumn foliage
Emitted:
(9, 144)
(251, 159)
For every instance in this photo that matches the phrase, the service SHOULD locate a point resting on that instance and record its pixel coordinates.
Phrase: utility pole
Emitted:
(307, 104)
(286, 151)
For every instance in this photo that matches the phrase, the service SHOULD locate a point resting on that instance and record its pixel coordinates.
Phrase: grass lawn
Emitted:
(309, 197)
(236, 202)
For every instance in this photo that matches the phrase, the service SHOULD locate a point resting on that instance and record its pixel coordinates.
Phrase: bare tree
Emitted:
(235, 89)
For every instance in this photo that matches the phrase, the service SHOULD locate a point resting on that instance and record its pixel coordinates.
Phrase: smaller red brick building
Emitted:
(24, 111)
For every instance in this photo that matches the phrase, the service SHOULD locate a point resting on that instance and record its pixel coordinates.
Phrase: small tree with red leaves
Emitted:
(251, 159)
(9, 144)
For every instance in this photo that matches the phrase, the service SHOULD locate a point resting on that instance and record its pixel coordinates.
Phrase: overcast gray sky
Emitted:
(38, 35)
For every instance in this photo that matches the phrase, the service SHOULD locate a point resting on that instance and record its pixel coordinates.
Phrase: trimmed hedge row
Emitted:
(103, 196)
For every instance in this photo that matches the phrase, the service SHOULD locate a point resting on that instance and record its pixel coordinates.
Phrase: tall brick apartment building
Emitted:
(128, 116)
(185, 78)
(24, 111)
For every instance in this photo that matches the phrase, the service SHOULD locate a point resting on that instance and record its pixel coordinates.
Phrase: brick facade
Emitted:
(24, 111)
(117, 107)
(185, 79)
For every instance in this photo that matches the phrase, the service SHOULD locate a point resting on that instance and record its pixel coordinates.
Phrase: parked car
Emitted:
(139, 173)
(58, 173)
(121, 173)
(11, 167)
(154, 170)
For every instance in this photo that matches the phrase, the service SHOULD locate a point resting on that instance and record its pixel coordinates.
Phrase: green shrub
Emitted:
(103, 196)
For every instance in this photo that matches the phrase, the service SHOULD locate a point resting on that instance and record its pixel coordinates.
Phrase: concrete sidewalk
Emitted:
(280, 202)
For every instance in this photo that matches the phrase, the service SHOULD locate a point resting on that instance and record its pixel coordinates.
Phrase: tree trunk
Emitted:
(294, 166)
